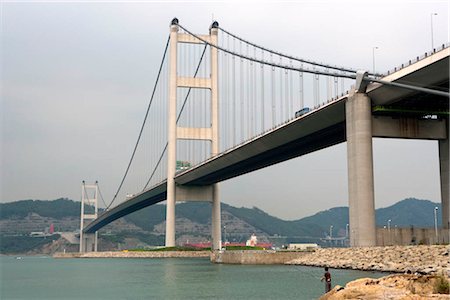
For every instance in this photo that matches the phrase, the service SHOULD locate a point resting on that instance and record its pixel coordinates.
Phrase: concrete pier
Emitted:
(255, 257)
(360, 170)
(444, 163)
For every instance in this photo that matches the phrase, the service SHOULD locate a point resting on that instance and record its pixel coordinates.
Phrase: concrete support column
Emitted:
(444, 162)
(216, 220)
(172, 136)
(96, 241)
(82, 247)
(88, 242)
(360, 170)
(216, 215)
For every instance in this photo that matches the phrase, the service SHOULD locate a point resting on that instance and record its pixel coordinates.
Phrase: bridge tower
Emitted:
(189, 193)
(88, 242)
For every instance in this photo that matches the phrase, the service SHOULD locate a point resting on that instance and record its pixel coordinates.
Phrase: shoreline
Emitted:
(134, 254)
(391, 259)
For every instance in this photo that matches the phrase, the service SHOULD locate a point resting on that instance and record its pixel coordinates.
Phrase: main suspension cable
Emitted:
(101, 196)
(317, 73)
(286, 67)
(143, 124)
(343, 69)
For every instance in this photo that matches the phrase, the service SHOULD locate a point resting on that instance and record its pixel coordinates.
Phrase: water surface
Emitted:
(167, 278)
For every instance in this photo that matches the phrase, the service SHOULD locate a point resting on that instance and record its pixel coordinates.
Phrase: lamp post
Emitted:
(225, 235)
(347, 238)
(373, 58)
(395, 234)
(435, 223)
(331, 231)
(389, 230)
(432, 40)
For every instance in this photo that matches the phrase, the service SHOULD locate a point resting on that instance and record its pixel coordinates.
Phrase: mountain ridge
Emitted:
(407, 212)
(193, 224)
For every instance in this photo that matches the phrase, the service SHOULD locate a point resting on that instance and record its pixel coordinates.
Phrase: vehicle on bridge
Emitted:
(302, 112)
(183, 165)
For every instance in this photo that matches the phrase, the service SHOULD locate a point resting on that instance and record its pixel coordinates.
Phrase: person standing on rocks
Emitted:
(327, 278)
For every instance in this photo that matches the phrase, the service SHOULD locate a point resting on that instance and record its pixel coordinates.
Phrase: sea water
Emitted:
(165, 278)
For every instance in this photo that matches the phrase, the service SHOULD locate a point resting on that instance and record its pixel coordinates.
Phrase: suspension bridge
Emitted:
(223, 106)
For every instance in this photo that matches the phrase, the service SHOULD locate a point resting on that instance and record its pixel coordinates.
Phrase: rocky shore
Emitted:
(398, 286)
(399, 259)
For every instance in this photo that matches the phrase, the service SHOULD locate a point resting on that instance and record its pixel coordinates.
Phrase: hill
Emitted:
(57, 209)
(409, 212)
(405, 213)
(193, 222)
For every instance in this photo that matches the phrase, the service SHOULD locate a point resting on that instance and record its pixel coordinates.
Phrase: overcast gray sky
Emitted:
(76, 79)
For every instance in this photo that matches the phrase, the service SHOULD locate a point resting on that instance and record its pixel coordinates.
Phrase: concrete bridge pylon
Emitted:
(361, 127)
(176, 192)
(360, 170)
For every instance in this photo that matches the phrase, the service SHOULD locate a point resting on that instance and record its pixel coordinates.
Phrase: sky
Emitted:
(76, 78)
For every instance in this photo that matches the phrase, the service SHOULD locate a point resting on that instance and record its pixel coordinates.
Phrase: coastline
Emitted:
(134, 254)
(420, 259)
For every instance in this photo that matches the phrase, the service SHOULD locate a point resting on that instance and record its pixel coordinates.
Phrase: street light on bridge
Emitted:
(373, 58)
(225, 234)
(389, 230)
(435, 223)
(432, 40)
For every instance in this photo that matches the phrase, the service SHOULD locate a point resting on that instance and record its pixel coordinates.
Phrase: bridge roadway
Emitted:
(318, 129)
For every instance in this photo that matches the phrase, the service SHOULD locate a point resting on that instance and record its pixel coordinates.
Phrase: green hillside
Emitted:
(408, 212)
(57, 209)
(336, 217)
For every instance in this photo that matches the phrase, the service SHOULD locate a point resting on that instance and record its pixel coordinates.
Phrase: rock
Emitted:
(401, 259)
(388, 287)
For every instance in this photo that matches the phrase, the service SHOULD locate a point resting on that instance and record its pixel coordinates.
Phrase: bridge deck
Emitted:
(316, 130)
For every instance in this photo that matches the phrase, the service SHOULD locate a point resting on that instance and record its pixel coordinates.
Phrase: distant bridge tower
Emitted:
(88, 242)
(185, 193)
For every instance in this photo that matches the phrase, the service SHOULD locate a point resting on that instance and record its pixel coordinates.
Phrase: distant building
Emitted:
(302, 246)
(252, 241)
(38, 234)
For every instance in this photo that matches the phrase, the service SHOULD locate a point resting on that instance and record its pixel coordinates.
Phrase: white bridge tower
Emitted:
(88, 242)
(176, 192)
